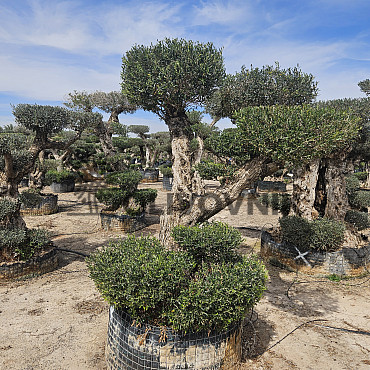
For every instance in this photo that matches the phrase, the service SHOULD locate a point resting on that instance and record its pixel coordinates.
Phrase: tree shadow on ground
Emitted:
(256, 337)
(75, 247)
(303, 297)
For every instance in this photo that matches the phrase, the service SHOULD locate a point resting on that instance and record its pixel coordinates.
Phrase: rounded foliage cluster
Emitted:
(360, 220)
(120, 196)
(277, 201)
(210, 170)
(30, 198)
(208, 242)
(59, 176)
(22, 244)
(320, 234)
(128, 180)
(166, 171)
(8, 207)
(185, 289)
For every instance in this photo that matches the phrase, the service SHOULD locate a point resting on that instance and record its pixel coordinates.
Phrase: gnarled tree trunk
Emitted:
(319, 188)
(304, 190)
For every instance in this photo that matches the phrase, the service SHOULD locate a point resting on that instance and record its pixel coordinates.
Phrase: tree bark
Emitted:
(304, 190)
(319, 188)
(198, 208)
(104, 133)
(337, 168)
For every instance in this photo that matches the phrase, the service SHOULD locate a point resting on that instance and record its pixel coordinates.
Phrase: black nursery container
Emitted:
(62, 187)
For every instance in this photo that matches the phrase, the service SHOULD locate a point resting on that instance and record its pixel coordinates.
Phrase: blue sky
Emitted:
(52, 47)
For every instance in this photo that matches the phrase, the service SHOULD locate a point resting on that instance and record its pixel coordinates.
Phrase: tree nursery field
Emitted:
(59, 320)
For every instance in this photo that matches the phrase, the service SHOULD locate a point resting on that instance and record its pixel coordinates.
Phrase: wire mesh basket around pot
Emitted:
(47, 206)
(125, 223)
(131, 346)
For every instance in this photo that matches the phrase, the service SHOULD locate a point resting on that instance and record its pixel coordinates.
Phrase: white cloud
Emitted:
(222, 13)
(95, 29)
(47, 81)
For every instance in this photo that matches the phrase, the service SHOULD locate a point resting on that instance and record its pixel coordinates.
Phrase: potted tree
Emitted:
(167, 177)
(125, 202)
(60, 181)
(23, 251)
(34, 202)
(177, 309)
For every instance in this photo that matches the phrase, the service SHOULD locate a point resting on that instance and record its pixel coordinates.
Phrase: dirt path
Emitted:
(59, 321)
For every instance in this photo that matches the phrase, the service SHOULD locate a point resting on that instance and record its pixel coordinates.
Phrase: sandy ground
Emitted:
(59, 321)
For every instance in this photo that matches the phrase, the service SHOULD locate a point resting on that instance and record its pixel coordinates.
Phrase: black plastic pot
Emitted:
(131, 346)
(62, 187)
(167, 182)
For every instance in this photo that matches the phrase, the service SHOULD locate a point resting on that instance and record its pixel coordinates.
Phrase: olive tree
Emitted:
(173, 76)
(19, 152)
(365, 86)
(112, 102)
(269, 85)
(169, 78)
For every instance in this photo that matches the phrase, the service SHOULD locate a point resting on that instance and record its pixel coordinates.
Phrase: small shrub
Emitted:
(352, 184)
(128, 180)
(210, 170)
(219, 295)
(59, 176)
(143, 197)
(277, 201)
(30, 198)
(163, 287)
(320, 234)
(361, 176)
(296, 230)
(326, 234)
(8, 207)
(38, 239)
(23, 243)
(141, 276)
(214, 242)
(166, 171)
(360, 220)
(113, 198)
(360, 199)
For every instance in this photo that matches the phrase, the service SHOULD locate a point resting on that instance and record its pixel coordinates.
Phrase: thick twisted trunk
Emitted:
(104, 133)
(200, 207)
(304, 190)
(319, 188)
(337, 169)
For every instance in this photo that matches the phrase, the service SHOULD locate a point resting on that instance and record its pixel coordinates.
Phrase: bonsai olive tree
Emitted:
(112, 102)
(169, 78)
(173, 76)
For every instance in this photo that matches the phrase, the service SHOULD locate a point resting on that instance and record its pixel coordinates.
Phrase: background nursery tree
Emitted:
(112, 102)
(18, 154)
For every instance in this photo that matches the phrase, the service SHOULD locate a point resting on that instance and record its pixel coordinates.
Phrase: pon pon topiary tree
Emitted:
(172, 76)
(169, 78)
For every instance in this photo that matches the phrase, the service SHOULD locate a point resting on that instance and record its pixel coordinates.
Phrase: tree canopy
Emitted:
(269, 85)
(172, 75)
